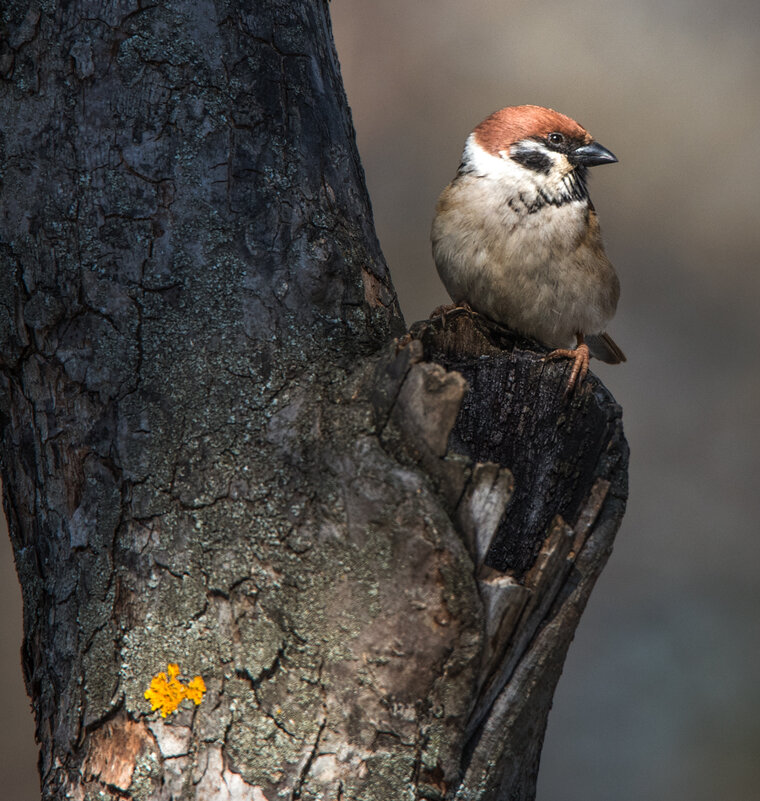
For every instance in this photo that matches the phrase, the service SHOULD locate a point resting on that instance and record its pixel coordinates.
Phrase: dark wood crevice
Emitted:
(517, 415)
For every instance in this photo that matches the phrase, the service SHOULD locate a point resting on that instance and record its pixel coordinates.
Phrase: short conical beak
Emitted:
(592, 154)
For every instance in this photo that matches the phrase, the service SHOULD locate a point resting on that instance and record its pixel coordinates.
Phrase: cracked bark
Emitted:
(212, 455)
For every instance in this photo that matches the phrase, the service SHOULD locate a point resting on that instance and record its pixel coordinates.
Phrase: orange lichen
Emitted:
(195, 689)
(167, 692)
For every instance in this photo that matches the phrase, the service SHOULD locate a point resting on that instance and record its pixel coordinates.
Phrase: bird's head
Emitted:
(534, 147)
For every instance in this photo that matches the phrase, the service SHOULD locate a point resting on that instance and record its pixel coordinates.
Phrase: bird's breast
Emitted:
(541, 271)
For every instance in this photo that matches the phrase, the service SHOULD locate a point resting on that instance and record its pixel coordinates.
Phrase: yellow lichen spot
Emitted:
(195, 689)
(166, 693)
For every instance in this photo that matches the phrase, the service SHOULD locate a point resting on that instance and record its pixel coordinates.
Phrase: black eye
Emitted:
(555, 138)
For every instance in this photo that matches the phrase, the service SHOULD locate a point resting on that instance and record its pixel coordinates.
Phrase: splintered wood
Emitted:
(543, 488)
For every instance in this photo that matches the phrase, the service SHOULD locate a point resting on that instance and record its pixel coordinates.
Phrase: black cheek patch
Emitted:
(531, 158)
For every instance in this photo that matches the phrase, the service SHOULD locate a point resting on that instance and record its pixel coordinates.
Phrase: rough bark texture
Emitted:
(211, 456)
(537, 560)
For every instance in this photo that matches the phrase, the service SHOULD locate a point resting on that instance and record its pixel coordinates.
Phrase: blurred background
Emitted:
(660, 698)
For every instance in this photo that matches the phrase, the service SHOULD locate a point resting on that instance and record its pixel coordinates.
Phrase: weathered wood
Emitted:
(568, 457)
(517, 415)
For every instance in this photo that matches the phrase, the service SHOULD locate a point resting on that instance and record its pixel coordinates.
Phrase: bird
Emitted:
(516, 237)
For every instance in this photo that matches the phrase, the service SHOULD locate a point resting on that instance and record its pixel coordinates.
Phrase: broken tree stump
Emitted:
(536, 483)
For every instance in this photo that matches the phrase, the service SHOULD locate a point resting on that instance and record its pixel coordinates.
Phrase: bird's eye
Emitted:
(555, 138)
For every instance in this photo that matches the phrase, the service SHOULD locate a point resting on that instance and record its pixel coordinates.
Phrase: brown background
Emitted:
(660, 698)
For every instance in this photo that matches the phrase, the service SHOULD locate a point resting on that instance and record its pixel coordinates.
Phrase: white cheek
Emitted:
(483, 163)
(502, 167)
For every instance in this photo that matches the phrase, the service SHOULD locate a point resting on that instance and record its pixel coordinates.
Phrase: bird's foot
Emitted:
(442, 311)
(580, 356)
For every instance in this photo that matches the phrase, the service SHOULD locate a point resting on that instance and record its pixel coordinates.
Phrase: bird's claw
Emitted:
(442, 311)
(580, 356)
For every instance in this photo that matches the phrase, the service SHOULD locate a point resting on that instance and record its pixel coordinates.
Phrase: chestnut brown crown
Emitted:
(515, 123)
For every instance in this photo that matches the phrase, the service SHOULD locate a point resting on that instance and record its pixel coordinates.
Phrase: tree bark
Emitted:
(214, 455)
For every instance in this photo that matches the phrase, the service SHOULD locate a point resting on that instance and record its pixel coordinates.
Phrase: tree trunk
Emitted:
(213, 455)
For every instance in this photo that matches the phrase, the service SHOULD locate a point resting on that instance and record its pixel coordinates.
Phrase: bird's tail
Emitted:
(603, 347)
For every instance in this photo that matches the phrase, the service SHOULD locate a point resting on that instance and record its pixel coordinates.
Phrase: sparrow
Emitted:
(516, 237)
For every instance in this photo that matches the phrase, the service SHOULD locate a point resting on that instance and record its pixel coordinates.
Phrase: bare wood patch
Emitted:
(114, 750)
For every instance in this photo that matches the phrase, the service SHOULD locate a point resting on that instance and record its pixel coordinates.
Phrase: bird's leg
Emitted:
(580, 356)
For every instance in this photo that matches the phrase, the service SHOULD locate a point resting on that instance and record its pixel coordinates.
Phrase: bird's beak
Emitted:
(592, 154)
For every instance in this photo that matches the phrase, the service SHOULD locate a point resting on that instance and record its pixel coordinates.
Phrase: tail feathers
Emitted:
(604, 348)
